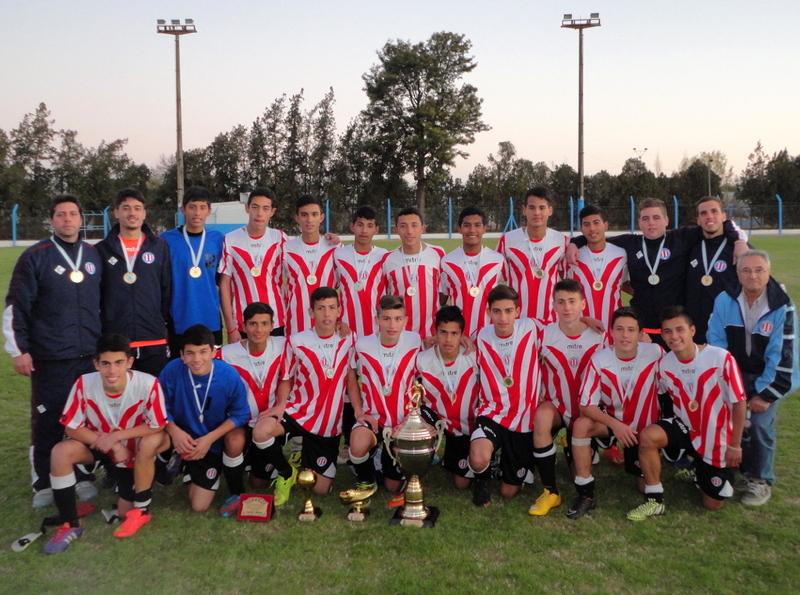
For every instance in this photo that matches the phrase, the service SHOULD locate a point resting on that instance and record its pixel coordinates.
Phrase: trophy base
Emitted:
(427, 523)
(358, 516)
(307, 516)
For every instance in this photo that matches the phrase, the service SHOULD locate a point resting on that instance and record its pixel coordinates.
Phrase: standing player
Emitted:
(205, 400)
(450, 378)
(413, 270)
(307, 264)
(361, 278)
(567, 346)
(619, 399)
(534, 256)
(259, 361)
(195, 253)
(708, 396)
(509, 377)
(107, 414)
(386, 365)
(601, 268)
(51, 324)
(309, 398)
(471, 271)
(137, 283)
(251, 269)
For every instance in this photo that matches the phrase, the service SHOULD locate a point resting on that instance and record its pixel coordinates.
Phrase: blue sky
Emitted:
(676, 77)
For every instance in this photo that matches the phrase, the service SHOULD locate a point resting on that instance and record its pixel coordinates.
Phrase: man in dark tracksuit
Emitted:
(51, 325)
(137, 281)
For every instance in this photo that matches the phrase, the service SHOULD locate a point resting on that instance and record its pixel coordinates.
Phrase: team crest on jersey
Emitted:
(462, 463)
(112, 261)
(720, 266)
(149, 257)
(269, 467)
(211, 474)
(573, 362)
(716, 481)
(59, 270)
(521, 472)
(322, 461)
(664, 254)
(766, 327)
(90, 268)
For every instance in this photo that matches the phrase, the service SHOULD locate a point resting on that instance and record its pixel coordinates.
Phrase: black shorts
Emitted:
(205, 473)
(631, 454)
(456, 448)
(122, 476)
(516, 457)
(319, 452)
(348, 420)
(386, 464)
(715, 482)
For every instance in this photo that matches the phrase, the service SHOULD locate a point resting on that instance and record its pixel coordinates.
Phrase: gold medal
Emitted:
(597, 285)
(387, 390)
(653, 279)
(311, 279)
(539, 273)
(706, 280)
(508, 382)
(129, 278)
(359, 286)
(255, 271)
(76, 276)
(474, 291)
(411, 291)
(195, 272)
(694, 406)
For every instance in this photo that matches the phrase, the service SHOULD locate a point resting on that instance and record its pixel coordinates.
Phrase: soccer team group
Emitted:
(324, 341)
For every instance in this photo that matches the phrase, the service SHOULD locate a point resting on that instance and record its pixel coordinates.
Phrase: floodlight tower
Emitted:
(580, 24)
(177, 29)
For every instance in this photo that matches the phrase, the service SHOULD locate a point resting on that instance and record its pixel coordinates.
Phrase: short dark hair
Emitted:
(469, 211)
(197, 335)
(257, 308)
(649, 203)
(127, 193)
(502, 292)
(676, 311)
(539, 192)
(569, 285)
(365, 212)
(264, 191)
(448, 314)
(708, 199)
(323, 293)
(112, 343)
(409, 211)
(590, 210)
(626, 312)
(196, 194)
(62, 198)
(391, 302)
(304, 201)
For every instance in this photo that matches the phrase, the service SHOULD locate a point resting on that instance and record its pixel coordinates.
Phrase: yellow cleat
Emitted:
(544, 503)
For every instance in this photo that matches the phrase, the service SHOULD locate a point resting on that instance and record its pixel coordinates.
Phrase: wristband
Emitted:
(231, 332)
(733, 448)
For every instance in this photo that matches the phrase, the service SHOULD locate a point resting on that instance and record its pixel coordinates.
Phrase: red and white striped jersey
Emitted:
(417, 274)
(142, 402)
(608, 267)
(386, 369)
(318, 369)
(564, 360)
(306, 267)
(510, 357)
(241, 254)
(259, 373)
(451, 389)
(523, 257)
(625, 389)
(713, 382)
(460, 273)
(361, 286)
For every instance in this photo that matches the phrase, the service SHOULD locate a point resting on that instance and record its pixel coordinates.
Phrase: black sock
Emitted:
(365, 471)
(143, 499)
(658, 497)
(274, 454)
(586, 490)
(67, 505)
(234, 477)
(545, 459)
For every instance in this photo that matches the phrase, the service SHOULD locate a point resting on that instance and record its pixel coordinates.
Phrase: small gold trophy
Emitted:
(358, 498)
(306, 478)
(412, 444)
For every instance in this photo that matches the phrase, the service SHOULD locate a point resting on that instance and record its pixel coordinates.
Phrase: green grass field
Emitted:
(499, 549)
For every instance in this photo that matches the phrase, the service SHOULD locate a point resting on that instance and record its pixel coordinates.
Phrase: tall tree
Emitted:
(419, 107)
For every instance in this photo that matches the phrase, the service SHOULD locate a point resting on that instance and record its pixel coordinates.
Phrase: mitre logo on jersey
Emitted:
(665, 253)
(211, 473)
(149, 257)
(720, 266)
(626, 369)
(716, 481)
(114, 404)
(766, 327)
(90, 268)
(322, 462)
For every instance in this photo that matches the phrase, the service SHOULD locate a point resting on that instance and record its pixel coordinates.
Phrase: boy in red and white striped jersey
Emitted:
(106, 414)
(619, 399)
(567, 347)
(471, 271)
(316, 373)
(450, 378)
(708, 397)
(412, 272)
(534, 256)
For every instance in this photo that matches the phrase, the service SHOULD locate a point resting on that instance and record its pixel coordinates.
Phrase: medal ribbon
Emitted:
(707, 266)
(652, 268)
(387, 370)
(201, 407)
(258, 376)
(626, 391)
(450, 386)
(598, 273)
(532, 252)
(361, 270)
(73, 265)
(328, 355)
(195, 257)
(104, 405)
(468, 270)
(129, 262)
(416, 258)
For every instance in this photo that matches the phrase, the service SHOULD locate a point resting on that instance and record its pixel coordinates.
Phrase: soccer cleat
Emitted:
(295, 458)
(397, 500)
(63, 537)
(686, 474)
(650, 508)
(481, 493)
(230, 507)
(85, 490)
(134, 520)
(580, 507)
(758, 493)
(43, 498)
(614, 456)
(283, 487)
(544, 503)
(742, 483)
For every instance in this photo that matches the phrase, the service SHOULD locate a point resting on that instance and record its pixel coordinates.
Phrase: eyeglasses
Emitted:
(757, 271)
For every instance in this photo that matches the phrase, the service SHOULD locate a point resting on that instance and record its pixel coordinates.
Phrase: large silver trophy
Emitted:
(412, 444)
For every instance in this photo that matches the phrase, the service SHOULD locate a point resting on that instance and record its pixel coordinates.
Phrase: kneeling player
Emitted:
(205, 400)
(450, 378)
(619, 399)
(106, 416)
(708, 397)
(309, 399)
